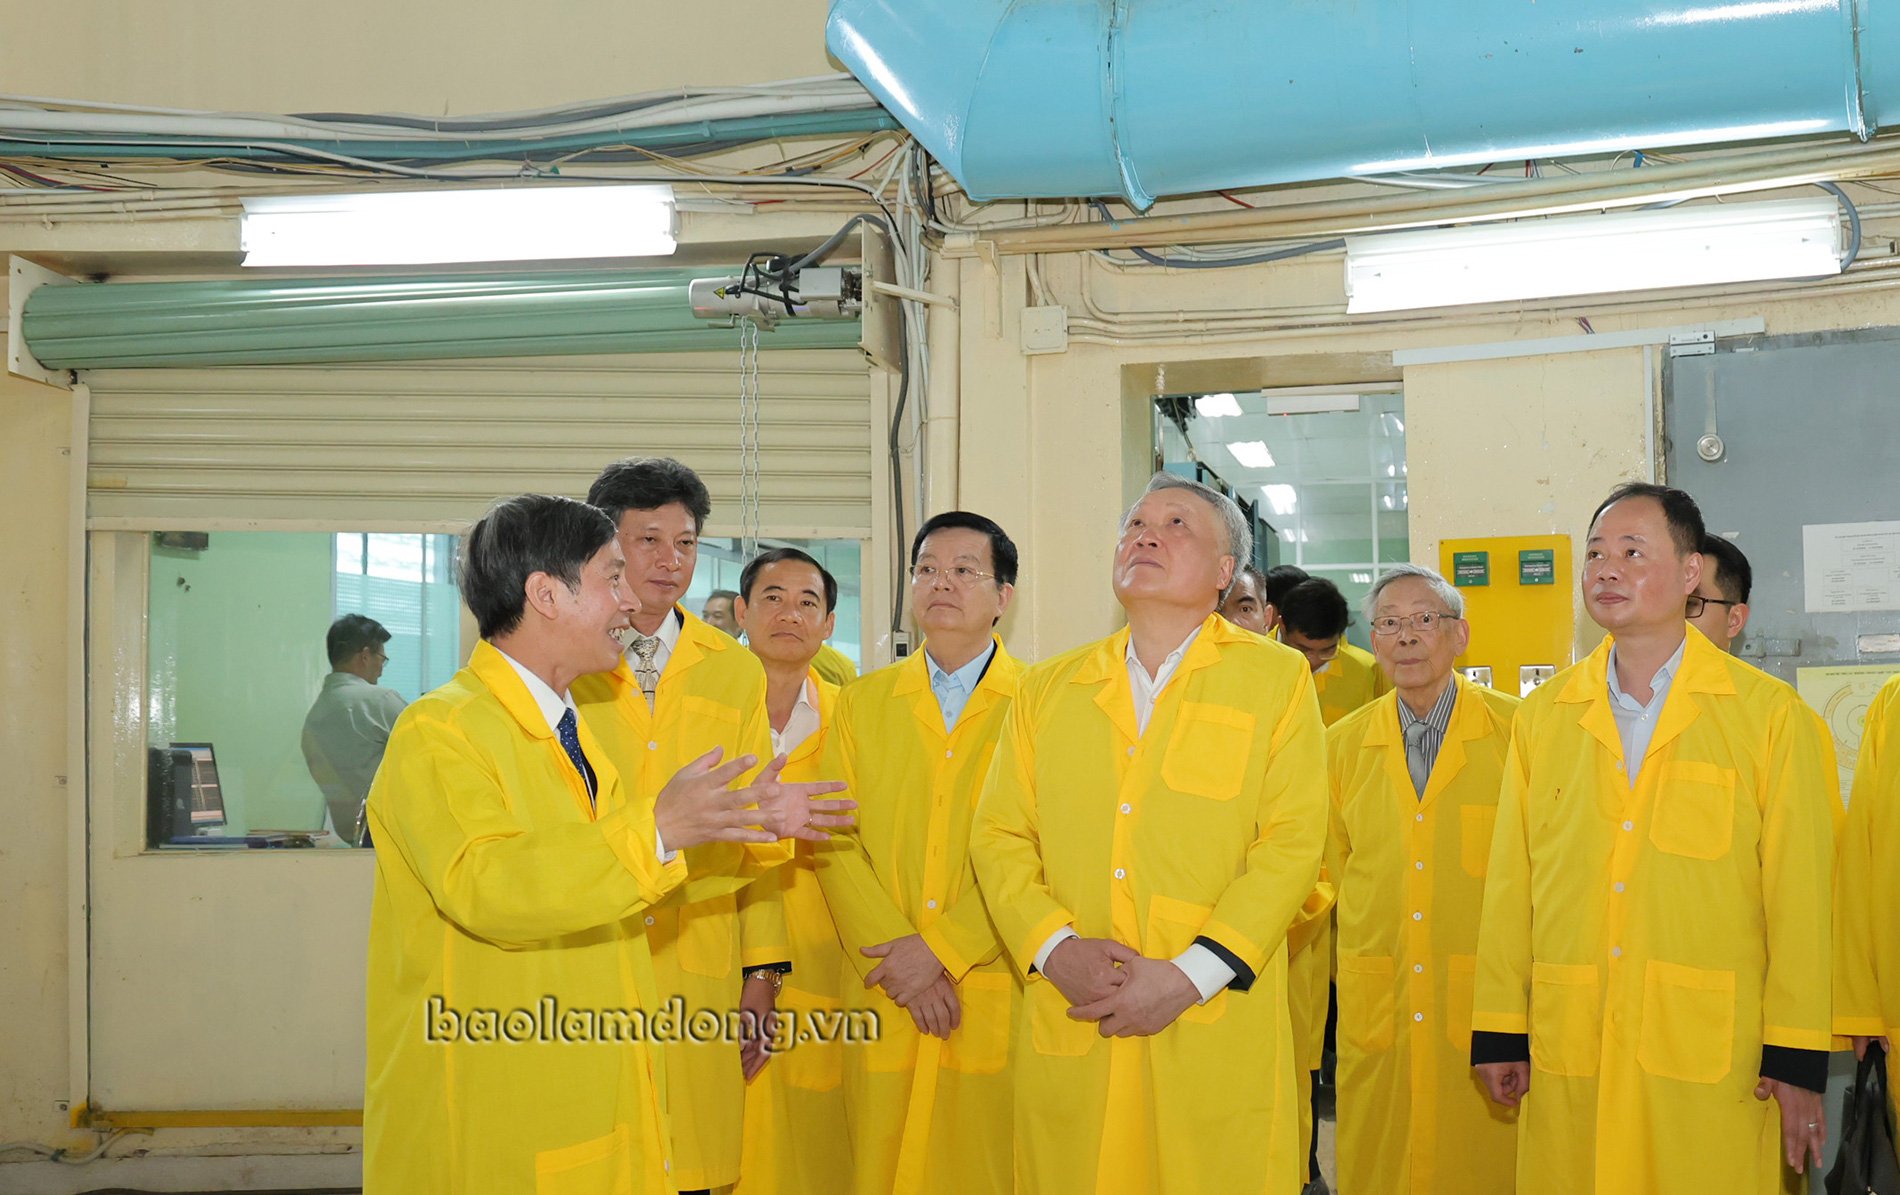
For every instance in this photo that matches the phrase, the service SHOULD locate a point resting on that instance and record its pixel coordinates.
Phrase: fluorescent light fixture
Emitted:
(1584, 255)
(1362, 578)
(1282, 498)
(1252, 454)
(1313, 404)
(431, 227)
(1217, 406)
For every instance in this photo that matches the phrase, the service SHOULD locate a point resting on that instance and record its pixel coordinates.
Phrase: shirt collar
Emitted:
(551, 704)
(1438, 717)
(964, 678)
(1168, 665)
(1657, 683)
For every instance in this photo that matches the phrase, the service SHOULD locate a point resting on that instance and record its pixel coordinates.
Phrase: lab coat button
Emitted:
(1616, 952)
(653, 746)
(1418, 916)
(1419, 865)
(930, 904)
(948, 754)
(1619, 886)
(649, 921)
(1418, 1016)
(1629, 825)
(1131, 751)
(1126, 808)
(1419, 817)
(1418, 968)
(1121, 873)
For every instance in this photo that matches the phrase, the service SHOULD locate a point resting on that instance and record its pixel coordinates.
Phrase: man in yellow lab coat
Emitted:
(795, 1140)
(1245, 602)
(928, 1102)
(681, 689)
(1313, 619)
(834, 666)
(1153, 822)
(1414, 781)
(1867, 891)
(1653, 956)
(511, 997)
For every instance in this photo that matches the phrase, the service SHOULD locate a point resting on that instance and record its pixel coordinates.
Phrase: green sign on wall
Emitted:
(1470, 568)
(1537, 566)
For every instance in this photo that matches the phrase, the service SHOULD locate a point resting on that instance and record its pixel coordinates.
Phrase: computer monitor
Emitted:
(183, 795)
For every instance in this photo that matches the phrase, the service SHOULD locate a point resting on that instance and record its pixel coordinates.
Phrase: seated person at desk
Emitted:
(347, 728)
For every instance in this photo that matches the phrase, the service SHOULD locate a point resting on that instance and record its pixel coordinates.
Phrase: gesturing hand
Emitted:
(1151, 995)
(697, 807)
(1086, 970)
(907, 970)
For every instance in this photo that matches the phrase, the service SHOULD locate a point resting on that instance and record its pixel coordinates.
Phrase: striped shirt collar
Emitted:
(1438, 718)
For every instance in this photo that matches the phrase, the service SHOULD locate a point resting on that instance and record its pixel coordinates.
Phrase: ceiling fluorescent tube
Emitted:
(1705, 245)
(433, 227)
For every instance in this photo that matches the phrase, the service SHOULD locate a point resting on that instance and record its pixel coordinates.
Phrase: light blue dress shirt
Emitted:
(953, 689)
(1636, 722)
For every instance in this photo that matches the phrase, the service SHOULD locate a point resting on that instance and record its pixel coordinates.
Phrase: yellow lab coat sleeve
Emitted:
(764, 939)
(1867, 885)
(963, 938)
(864, 911)
(1025, 911)
(489, 875)
(1798, 847)
(1501, 995)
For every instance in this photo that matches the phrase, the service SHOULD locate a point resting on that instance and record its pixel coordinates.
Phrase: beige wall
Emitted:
(35, 794)
(469, 57)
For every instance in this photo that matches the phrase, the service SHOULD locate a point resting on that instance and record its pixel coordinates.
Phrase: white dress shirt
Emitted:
(552, 705)
(802, 724)
(1636, 722)
(1202, 966)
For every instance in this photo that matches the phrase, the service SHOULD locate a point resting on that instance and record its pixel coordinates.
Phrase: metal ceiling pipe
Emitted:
(1136, 99)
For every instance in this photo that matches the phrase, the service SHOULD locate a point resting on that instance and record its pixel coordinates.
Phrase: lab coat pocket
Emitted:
(1052, 1030)
(814, 1060)
(1695, 810)
(1172, 927)
(1566, 1018)
(1474, 840)
(1461, 974)
(980, 1044)
(1688, 1028)
(1208, 751)
(705, 937)
(1368, 1002)
(603, 1166)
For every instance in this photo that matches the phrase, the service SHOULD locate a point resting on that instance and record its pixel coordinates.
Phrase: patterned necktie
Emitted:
(645, 647)
(1415, 761)
(569, 732)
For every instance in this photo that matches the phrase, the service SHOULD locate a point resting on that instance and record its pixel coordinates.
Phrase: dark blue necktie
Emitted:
(569, 732)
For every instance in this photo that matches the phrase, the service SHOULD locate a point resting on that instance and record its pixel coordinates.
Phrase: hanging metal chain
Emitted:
(748, 437)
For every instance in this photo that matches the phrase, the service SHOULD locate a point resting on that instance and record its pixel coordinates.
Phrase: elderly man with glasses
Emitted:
(1415, 779)
(928, 1102)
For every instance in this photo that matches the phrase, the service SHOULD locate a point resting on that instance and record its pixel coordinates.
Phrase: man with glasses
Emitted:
(1313, 618)
(1653, 958)
(928, 1102)
(347, 728)
(1414, 780)
(1719, 606)
(1151, 827)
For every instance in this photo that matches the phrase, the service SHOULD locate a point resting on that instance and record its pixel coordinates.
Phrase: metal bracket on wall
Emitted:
(1692, 344)
(23, 278)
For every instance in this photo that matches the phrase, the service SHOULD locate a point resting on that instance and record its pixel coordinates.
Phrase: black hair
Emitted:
(535, 533)
(1278, 580)
(648, 483)
(1314, 609)
(351, 634)
(722, 593)
(1733, 576)
(1002, 548)
(777, 556)
(1679, 511)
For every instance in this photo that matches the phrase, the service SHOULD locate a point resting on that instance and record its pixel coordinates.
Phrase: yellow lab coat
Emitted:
(1413, 1118)
(926, 1114)
(1348, 682)
(1867, 888)
(1653, 941)
(1211, 824)
(834, 666)
(795, 1139)
(507, 956)
(711, 694)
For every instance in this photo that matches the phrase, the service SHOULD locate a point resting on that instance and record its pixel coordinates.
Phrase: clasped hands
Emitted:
(1123, 991)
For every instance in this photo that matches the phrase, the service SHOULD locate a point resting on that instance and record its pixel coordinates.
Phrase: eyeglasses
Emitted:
(1424, 622)
(1693, 607)
(960, 575)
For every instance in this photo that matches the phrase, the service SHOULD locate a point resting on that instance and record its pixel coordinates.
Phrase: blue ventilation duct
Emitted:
(1141, 98)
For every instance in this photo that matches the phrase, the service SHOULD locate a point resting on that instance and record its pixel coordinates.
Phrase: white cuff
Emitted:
(1204, 970)
(659, 848)
(1048, 948)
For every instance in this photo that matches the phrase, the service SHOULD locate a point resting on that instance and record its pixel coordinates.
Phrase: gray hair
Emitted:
(1239, 534)
(1444, 590)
